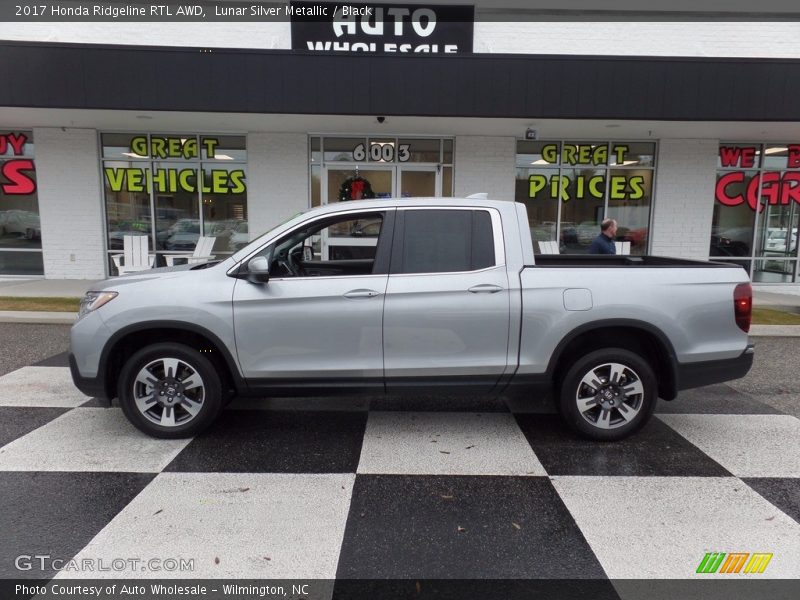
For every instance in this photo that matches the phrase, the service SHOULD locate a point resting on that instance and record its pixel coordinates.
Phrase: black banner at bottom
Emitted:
(712, 588)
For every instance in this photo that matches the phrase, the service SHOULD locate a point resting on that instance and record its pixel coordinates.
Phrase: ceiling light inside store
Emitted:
(540, 162)
(630, 162)
(133, 155)
(775, 150)
(223, 157)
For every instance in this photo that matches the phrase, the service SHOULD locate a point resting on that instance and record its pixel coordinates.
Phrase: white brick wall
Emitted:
(277, 178)
(684, 198)
(485, 164)
(70, 203)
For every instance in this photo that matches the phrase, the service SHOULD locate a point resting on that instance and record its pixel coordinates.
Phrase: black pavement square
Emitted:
(718, 399)
(57, 360)
(655, 450)
(468, 527)
(782, 492)
(16, 421)
(57, 514)
(264, 441)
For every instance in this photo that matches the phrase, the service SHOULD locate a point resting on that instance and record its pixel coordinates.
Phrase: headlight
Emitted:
(94, 300)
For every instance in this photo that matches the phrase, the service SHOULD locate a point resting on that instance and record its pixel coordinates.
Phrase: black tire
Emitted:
(626, 411)
(205, 403)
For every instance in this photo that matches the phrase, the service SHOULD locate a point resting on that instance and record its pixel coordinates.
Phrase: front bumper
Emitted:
(692, 375)
(91, 386)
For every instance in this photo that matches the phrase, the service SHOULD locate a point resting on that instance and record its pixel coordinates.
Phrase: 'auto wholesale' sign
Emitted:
(381, 28)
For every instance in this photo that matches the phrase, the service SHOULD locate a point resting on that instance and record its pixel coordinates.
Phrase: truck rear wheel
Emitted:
(170, 391)
(608, 394)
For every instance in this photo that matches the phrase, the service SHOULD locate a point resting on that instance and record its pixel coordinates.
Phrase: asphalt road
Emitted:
(773, 379)
(26, 344)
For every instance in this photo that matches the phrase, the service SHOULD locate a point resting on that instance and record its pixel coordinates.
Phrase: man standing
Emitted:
(604, 243)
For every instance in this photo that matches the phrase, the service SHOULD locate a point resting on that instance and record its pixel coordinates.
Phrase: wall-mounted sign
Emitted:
(171, 180)
(382, 28)
(589, 183)
(757, 189)
(17, 174)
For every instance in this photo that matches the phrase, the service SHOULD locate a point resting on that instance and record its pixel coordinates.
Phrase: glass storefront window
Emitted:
(20, 226)
(342, 149)
(164, 191)
(419, 150)
(757, 209)
(568, 188)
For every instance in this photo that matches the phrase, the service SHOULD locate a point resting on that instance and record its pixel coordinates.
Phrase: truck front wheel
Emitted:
(608, 394)
(170, 390)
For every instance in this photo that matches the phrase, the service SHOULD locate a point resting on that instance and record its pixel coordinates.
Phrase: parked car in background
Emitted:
(20, 223)
(777, 241)
(240, 237)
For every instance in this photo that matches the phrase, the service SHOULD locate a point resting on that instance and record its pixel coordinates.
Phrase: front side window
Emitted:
(338, 246)
(445, 241)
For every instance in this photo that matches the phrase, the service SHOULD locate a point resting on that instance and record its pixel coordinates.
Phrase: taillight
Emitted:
(743, 305)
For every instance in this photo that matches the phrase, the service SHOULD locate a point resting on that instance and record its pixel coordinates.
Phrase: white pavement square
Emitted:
(40, 387)
(432, 443)
(232, 525)
(89, 439)
(746, 445)
(662, 527)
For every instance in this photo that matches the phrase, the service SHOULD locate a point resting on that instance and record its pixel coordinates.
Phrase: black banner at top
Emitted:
(381, 28)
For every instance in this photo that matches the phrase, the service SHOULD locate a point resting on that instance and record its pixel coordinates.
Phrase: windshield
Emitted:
(260, 239)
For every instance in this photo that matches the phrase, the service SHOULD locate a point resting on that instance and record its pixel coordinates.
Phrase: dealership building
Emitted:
(686, 131)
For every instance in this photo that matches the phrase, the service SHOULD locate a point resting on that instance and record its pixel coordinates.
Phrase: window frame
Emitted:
(382, 251)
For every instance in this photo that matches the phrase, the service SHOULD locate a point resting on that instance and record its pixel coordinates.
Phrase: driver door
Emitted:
(318, 321)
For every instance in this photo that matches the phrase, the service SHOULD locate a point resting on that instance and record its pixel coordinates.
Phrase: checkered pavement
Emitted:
(431, 488)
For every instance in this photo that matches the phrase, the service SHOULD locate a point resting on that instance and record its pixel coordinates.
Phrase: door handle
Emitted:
(485, 288)
(355, 294)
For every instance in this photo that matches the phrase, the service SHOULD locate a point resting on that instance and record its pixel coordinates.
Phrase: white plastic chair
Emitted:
(135, 255)
(201, 254)
(623, 247)
(549, 248)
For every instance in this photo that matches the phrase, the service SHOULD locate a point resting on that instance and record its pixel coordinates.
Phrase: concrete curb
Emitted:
(775, 330)
(31, 316)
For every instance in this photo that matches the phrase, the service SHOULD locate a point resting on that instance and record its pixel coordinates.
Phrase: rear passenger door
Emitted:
(446, 313)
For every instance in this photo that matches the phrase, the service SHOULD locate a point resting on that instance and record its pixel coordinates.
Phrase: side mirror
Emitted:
(258, 270)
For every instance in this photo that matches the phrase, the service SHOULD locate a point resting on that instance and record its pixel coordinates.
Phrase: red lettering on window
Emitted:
(748, 157)
(722, 188)
(790, 190)
(20, 184)
(794, 156)
(729, 157)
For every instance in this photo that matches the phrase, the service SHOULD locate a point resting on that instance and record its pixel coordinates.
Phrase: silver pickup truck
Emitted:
(410, 295)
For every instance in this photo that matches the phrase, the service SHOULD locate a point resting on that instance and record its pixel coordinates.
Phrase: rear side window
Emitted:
(445, 241)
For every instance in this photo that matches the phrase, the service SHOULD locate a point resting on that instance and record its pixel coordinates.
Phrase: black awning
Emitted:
(477, 85)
